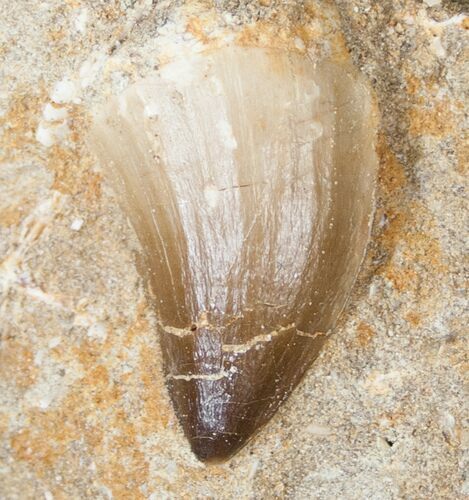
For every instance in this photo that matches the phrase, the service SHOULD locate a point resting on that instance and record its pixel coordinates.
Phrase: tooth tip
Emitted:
(217, 448)
(219, 417)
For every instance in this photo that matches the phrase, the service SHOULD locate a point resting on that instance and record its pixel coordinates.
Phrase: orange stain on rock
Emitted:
(99, 376)
(102, 390)
(55, 35)
(124, 474)
(391, 172)
(340, 51)
(437, 121)
(364, 334)
(396, 223)
(124, 470)
(18, 125)
(268, 35)
(418, 248)
(72, 173)
(109, 11)
(413, 85)
(402, 278)
(17, 364)
(195, 27)
(138, 327)
(44, 441)
(413, 318)
(430, 115)
(88, 353)
(392, 181)
(256, 35)
(426, 250)
(392, 418)
(64, 163)
(12, 215)
(156, 407)
(31, 447)
(421, 91)
(93, 414)
(72, 164)
(463, 154)
(93, 186)
(94, 437)
(79, 122)
(420, 251)
(4, 424)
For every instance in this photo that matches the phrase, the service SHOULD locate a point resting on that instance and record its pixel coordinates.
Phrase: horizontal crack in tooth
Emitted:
(241, 348)
(179, 332)
(312, 335)
(190, 330)
(258, 339)
(200, 376)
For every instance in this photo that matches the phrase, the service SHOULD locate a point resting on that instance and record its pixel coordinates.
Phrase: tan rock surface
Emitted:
(83, 408)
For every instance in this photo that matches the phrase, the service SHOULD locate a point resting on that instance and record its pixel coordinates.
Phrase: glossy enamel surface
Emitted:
(248, 175)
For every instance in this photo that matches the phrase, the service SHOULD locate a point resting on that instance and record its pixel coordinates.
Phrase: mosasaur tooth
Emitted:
(248, 175)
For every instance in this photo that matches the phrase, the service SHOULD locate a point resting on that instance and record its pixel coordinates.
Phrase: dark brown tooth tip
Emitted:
(214, 435)
(217, 448)
(250, 185)
(221, 409)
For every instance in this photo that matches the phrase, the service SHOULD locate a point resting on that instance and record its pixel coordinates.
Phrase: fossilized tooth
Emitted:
(248, 175)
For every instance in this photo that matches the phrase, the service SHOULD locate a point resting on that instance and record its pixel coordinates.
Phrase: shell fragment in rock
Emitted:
(248, 175)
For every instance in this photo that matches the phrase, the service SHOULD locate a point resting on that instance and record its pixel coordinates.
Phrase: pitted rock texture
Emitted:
(83, 407)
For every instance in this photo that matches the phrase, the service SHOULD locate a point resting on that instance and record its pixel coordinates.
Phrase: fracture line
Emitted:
(311, 335)
(267, 337)
(200, 376)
